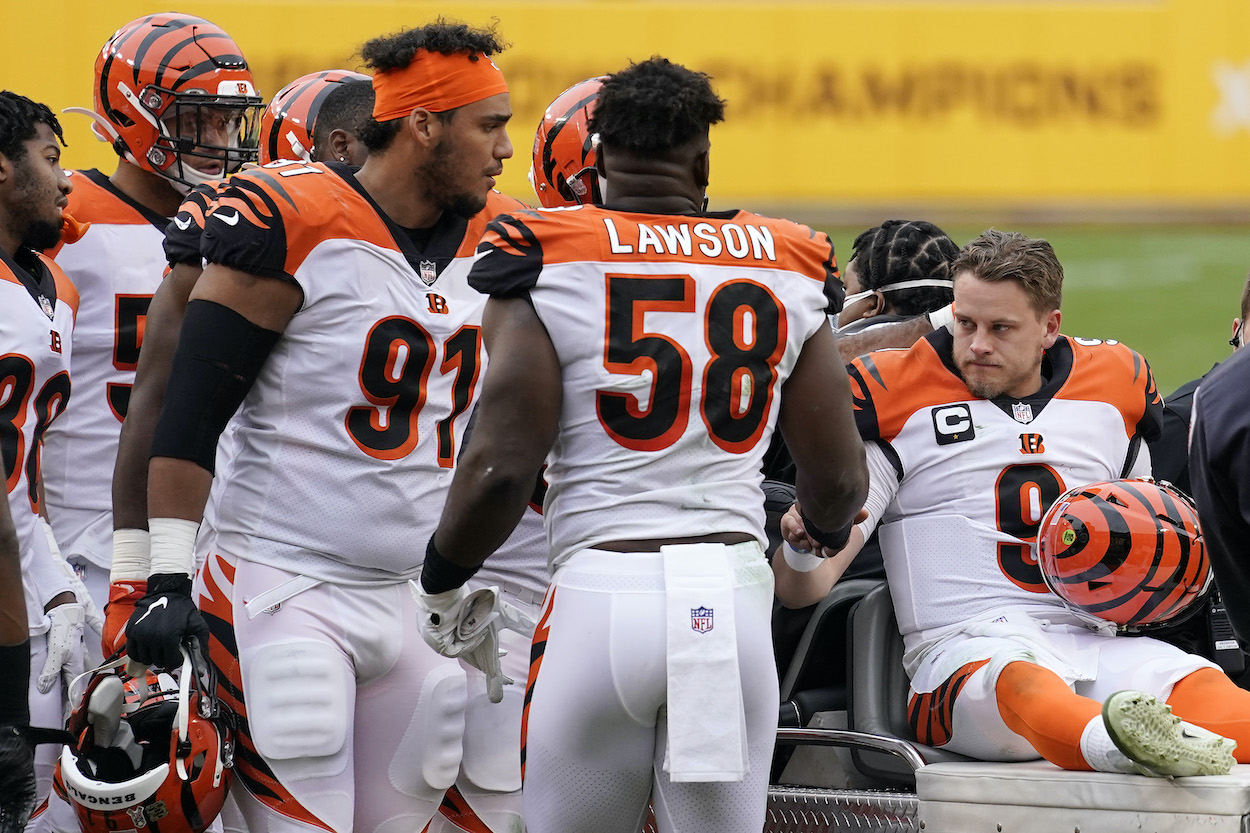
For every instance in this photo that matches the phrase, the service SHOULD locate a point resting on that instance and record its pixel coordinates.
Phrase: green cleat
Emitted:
(1159, 743)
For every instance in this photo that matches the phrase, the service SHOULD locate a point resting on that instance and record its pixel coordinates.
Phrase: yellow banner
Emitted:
(1124, 102)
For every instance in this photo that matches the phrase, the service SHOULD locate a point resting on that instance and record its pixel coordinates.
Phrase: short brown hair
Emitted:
(1245, 300)
(1010, 256)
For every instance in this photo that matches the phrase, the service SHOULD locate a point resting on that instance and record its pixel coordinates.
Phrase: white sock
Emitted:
(1100, 751)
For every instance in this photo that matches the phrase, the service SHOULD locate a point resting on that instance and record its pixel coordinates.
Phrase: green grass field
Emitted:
(1169, 292)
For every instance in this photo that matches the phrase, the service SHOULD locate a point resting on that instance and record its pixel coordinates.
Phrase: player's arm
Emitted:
(17, 764)
(897, 334)
(803, 571)
(160, 338)
(233, 321)
(516, 423)
(816, 420)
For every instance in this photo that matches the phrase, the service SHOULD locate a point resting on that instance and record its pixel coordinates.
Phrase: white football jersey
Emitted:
(344, 446)
(116, 267)
(975, 476)
(36, 331)
(674, 335)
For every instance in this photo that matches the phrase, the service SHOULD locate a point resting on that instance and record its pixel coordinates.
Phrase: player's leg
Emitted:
(487, 793)
(733, 805)
(596, 685)
(410, 705)
(1208, 698)
(293, 692)
(1155, 673)
(954, 701)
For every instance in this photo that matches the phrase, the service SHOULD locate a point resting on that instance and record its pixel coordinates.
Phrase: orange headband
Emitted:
(435, 82)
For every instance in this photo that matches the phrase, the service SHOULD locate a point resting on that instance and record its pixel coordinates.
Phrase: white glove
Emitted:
(65, 646)
(91, 613)
(466, 625)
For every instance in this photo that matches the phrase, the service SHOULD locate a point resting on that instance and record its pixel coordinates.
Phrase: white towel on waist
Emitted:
(706, 724)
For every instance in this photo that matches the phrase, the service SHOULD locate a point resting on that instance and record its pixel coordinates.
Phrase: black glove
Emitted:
(162, 620)
(17, 779)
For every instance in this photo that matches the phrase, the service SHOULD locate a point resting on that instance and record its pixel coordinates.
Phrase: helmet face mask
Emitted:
(563, 171)
(1127, 552)
(175, 97)
(204, 138)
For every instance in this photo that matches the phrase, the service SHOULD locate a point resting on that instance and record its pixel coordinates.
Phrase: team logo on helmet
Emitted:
(1129, 552)
(563, 170)
(286, 127)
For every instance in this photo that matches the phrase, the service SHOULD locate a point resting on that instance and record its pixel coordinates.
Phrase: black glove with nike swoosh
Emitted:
(162, 620)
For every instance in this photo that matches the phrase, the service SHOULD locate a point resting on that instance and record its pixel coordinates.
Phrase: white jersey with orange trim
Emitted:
(968, 480)
(674, 335)
(344, 446)
(116, 267)
(36, 333)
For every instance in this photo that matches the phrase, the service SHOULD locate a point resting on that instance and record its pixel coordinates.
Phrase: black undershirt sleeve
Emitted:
(220, 353)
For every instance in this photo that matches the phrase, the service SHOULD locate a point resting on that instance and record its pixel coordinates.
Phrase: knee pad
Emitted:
(297, 699)
(428, 757)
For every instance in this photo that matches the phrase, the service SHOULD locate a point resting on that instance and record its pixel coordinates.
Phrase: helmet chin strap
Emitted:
(190, 178)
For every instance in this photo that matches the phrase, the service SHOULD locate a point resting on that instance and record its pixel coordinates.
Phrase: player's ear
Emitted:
(1052, 329)
(703, 169)
(423, 125)
(339, 142)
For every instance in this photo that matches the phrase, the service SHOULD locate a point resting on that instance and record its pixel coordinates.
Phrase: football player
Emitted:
(288, 127)
(334, 309)
(39, 303)
(330, 106)
(897, 270)
(563, 170)
(654, 508)
(970, 437)
(174, 97)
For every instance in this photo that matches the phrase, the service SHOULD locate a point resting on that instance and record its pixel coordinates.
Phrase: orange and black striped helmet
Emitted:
(1129, 552)
(174, 96)
(152, 753)
(286, 128)
(563, 171)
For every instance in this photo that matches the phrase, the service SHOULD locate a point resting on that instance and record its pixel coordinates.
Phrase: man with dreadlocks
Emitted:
(663, 344)
(898, 270)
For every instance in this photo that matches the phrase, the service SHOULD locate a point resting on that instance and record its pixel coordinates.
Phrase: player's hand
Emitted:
(795, 534)
(466, 625)
(163, 618)
(66, 655)
(91, 613)
(123, 596)
(17, 779)
(485, 657)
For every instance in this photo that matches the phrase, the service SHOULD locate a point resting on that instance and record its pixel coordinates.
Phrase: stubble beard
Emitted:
(437, 172)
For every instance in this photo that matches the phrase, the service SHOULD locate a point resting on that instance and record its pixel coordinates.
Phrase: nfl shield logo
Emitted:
(428, 273)
(701, 619)
(1022, 412)
(46, 306)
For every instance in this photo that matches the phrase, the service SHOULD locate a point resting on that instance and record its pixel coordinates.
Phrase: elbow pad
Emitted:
(220, 353)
